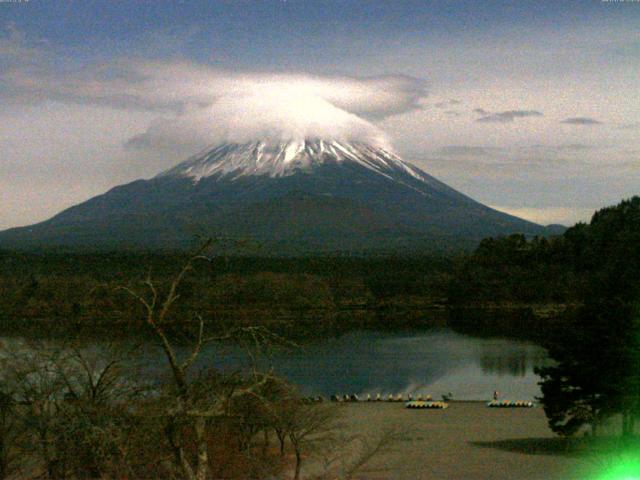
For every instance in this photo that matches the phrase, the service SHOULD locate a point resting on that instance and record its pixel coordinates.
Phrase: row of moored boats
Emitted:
(418, 402)
(379, 398)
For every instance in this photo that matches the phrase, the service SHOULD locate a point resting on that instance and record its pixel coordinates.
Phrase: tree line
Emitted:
(71, 410)
(596, 348)
(59, 289)
(593, 271)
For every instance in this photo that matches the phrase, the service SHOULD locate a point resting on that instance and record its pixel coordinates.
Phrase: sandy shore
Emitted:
(465, 441)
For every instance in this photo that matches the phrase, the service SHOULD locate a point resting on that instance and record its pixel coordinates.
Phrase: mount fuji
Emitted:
(290, 197)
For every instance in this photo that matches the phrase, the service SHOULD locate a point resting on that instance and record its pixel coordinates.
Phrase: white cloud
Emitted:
(241, 118)
(181, 85)
(55, 154)
(199, 105)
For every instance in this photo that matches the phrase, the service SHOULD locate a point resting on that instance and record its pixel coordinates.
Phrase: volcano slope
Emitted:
(289, 197)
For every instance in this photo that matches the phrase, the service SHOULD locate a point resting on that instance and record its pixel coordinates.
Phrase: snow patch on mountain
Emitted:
(280, 159)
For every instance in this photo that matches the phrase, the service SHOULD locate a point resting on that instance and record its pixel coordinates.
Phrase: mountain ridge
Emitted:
(295, 196)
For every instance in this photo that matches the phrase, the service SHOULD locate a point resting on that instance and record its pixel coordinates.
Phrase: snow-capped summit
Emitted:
(280, 159)
(298, 196)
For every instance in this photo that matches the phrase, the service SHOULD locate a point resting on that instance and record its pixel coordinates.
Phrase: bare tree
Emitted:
(195, 403)
(306, 426)
(70, 407)
(30, 375)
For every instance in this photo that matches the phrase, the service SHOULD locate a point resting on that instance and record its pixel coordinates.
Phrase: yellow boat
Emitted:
(426, 404)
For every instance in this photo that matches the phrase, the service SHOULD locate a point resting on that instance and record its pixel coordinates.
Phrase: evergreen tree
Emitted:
(595, 374)
(597, 350)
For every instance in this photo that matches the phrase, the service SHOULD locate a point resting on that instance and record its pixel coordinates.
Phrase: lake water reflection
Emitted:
(434, 362)
(365, 362)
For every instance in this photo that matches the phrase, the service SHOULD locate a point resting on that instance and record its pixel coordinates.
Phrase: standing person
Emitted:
(495, 395)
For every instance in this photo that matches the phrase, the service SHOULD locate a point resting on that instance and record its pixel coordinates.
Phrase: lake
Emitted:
(431, 362)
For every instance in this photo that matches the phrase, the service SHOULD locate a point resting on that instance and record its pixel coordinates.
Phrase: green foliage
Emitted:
(602, 255)
(595, 374)
(595, 268)
(597, 348)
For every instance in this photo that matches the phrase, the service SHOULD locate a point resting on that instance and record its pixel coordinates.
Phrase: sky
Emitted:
(532, 107)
